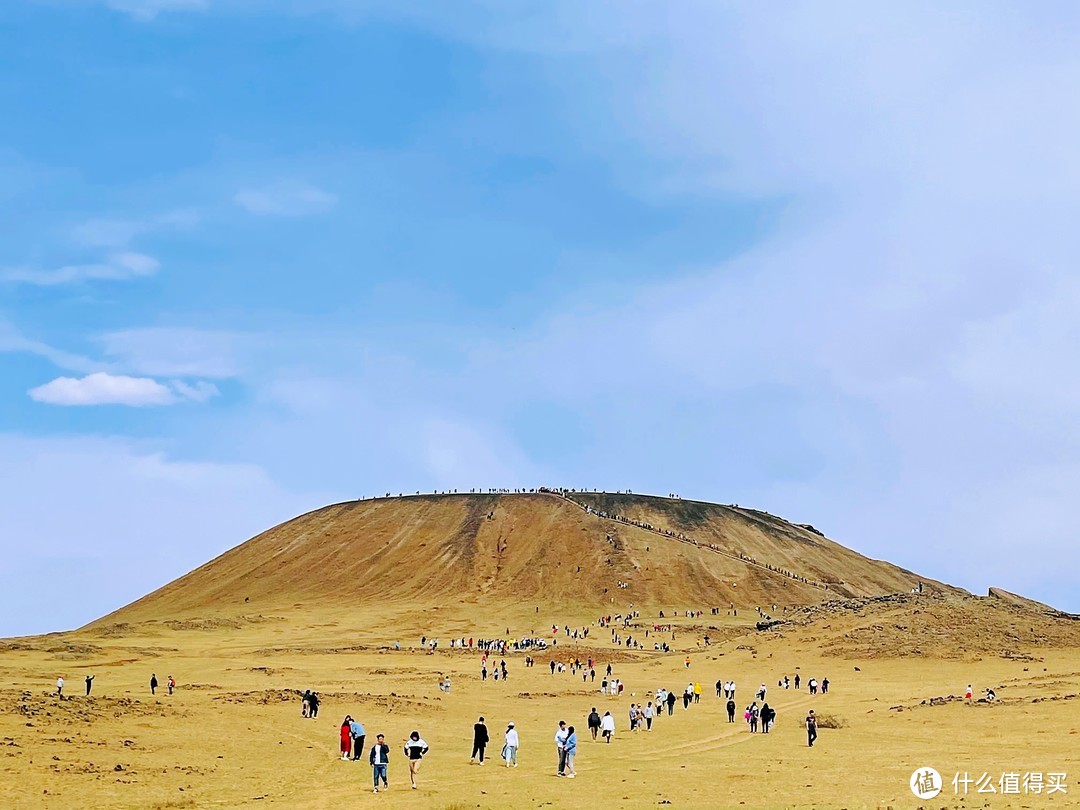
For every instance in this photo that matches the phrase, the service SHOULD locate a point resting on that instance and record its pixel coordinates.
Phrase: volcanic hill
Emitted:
(587, 549)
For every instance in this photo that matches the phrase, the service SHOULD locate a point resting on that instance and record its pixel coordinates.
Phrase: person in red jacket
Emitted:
(346, 737)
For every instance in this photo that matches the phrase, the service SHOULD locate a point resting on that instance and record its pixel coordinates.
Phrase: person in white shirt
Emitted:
(649, 714)
(511, 747)
(60, 686)
(607, 726)
(560, 746)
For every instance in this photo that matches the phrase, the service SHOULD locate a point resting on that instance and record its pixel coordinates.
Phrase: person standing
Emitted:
(345, 733)
(380, 760)
(60, 687)
(824, 686)
(560, 746)
(594, 722)
(767, 715)
(171, 682)
(571, 752)
(649, 714)
(798, 680)
(697, 692)
(415, 748)
(670, 702)
(356, 729)
(480, 740)
(510, 749)
(153, 683)
(607, 726)
(755, 713)
(89, 683)
(313, 704)
(811, 728)
(731, 710)
(719, 687)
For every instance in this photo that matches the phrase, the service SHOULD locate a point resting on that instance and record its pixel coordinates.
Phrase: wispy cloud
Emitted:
(11, 340)
(102, 388)
(149, 9)
(285, 200)
(118, 232)
(118, 267)
(174, 351)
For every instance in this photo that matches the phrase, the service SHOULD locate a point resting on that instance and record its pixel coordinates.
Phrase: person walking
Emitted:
(755, 713)
(731, 711)
(967, 693)
(798, 680)
(153, 684)
(594, 722)
(767, 715)
(60, 687)
(824, 686)
(670, 702)
(313, 705)
(811, 728)
(415, 748)
(480, 740)
(171, 683)
(356, 729)
(571, 752)
(649, 713)
(380, 761)
(346, 738)
(719, 687)
(688, 695)
(89, 683)
(607, 726)
(510, 748)
(697, 692)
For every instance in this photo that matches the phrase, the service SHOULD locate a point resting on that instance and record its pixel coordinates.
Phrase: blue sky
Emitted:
(259, 256)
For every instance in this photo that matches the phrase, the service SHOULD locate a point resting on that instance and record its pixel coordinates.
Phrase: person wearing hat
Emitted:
(510, 749)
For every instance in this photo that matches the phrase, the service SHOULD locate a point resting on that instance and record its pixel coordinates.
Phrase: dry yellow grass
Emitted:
(232, 735)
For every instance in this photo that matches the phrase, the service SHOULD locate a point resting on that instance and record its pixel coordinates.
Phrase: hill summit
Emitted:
(591, 549)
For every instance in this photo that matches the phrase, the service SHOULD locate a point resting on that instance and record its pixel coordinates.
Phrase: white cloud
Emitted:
(102, 388)
(285, 200)
(119, 267)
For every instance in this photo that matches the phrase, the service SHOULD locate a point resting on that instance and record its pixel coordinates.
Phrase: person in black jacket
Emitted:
(731, 711)
(594, 722)
(480, 741)
(768, 714)
(379, 759)
(670, 702)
